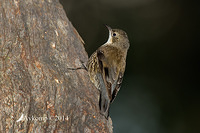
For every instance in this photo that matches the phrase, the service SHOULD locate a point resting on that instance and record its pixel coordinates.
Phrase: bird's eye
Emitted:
(114, 34)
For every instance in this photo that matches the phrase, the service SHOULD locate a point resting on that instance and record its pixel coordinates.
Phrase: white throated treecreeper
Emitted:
(106, 67)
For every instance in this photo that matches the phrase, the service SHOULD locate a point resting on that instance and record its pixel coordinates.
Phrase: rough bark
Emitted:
(39, 92)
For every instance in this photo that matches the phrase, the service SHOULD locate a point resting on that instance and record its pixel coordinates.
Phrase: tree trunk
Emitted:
(40, 88)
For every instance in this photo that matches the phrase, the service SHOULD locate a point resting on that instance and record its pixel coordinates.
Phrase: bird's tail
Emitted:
(104, 105)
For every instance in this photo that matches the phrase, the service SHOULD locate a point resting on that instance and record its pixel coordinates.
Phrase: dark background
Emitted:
(160, 90)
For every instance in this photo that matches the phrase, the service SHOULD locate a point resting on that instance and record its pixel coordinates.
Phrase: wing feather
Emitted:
(112, 76)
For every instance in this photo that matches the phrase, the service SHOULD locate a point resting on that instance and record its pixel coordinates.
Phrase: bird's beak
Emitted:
(109, 28)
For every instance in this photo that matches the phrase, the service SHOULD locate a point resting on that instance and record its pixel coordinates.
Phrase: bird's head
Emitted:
(118, 37)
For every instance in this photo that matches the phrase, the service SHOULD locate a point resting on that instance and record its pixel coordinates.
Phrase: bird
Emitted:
(106, 67)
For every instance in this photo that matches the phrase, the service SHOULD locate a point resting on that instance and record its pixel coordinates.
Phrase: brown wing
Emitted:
(117, 86)
(112, 77)
(104, 101)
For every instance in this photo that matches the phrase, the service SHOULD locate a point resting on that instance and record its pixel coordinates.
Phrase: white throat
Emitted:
(109, 38)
